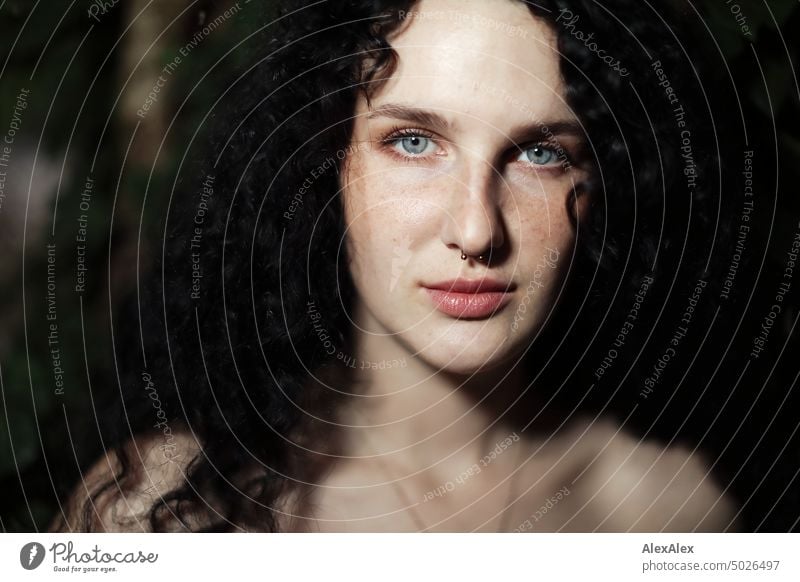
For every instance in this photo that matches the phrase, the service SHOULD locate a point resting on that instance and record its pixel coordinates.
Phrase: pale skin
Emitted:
(445, 161)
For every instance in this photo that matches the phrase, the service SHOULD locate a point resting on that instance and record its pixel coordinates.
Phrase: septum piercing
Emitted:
(464, 256)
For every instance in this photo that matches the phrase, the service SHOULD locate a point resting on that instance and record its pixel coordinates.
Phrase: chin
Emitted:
(467, 364)
(469, 352)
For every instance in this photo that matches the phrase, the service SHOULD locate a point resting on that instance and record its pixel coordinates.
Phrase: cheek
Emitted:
(546, 218)
(546, 237)
(384, 225)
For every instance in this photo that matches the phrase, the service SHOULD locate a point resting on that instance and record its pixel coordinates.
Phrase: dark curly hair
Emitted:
(225, 344)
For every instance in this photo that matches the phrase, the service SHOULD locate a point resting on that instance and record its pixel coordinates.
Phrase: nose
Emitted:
(473, 224)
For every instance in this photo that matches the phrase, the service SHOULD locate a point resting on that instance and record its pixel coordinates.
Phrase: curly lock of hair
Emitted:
(231, 359)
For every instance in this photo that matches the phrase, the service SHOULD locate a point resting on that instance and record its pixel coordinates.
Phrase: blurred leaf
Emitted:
(771, 99)
(781, 9)
(791, 146)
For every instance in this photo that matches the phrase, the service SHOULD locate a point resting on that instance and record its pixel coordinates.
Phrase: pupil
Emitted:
(540, 154)
(413, 144)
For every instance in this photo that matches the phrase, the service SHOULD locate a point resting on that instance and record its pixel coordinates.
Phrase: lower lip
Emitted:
(468, 305)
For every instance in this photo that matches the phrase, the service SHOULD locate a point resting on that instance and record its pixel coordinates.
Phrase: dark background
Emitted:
(88, 77)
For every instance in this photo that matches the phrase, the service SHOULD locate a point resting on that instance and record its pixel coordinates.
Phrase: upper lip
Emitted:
(483, 285)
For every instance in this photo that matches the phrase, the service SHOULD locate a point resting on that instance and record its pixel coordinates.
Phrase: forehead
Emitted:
(489, 59)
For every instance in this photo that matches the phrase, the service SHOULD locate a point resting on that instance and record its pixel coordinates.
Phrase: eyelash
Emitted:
(398, 133)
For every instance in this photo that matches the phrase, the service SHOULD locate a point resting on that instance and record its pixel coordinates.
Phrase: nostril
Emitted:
(485, 257)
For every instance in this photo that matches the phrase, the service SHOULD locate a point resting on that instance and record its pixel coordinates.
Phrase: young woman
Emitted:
(375, 304)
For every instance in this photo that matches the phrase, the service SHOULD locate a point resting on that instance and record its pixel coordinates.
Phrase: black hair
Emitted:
(229, 354)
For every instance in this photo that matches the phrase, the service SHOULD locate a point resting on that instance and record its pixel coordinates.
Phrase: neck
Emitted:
(416, 413)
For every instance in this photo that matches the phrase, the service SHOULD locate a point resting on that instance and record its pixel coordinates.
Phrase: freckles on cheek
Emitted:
(388, 209)
(546, 231)
(548, 216)
(411, 211)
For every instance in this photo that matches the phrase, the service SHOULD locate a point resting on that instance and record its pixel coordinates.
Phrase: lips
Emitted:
(470, 299)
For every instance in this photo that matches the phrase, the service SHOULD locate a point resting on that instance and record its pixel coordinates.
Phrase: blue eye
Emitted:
(539, 155)
(413, 145)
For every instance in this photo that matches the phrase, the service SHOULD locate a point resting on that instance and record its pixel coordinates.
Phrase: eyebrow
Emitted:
(534, 130)
(411, 114)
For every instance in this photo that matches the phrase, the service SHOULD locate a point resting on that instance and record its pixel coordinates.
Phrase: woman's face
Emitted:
(468, 148)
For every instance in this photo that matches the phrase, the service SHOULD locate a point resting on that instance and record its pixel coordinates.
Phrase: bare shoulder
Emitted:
(644, 485)
(104, 500)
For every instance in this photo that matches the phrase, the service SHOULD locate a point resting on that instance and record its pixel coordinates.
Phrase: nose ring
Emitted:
(464, 256)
